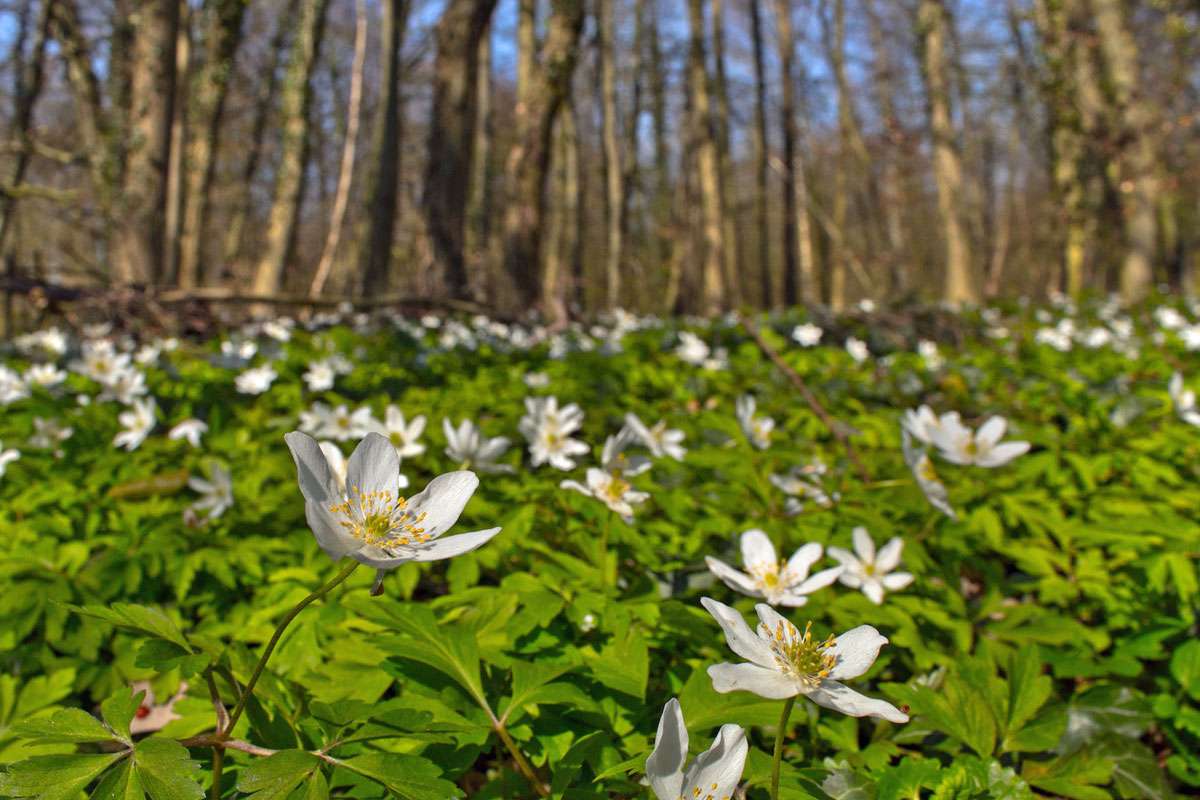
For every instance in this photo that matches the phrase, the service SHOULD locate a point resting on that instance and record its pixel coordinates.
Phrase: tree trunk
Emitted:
(891, 183)
(138, 249)
(1138, 180)
(207, 113)
(606, 30)
(175, 198)
(478, 187)
(799, 264)
(761, 163)
(529, 159)
(294, 102)
(704, 145)
(341, 197)
(665, 228)
(734, 249)
(958, 287)
(452, 135)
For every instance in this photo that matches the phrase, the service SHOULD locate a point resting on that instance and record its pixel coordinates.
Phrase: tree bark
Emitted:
(138, 249)
(761, 155)
(613, 171)
(733, 253)
(290, 173)
(452, 135)
(478, 187)
(175, 198)
(703, 145)
(529, 159)
(799, 263)
(958, 287)
(207, 113)
(891, 189)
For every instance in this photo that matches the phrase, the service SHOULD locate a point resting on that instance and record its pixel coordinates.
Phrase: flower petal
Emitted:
(889, 555)
(738, 635)
(312, 470)
(757, 549)
(802, 560)
(840, 697)
(896, 581)
(717, 771)
(991, 431)
(856, 650)
(769, 683)
(818, 581)
(335, 540)
(1001, 454)
(436, 550)
(664, 767)
(738, 581)
(863, 544)
(373, 466)
(873, 590)
(443, 500)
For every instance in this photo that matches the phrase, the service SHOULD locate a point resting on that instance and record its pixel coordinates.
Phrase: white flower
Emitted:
(316, 419)
(921, 465)
(320, 376)
(49, 433)
(692, 348)
(757, 429)
(801, 483)
(613, 457)
(1058, 339)
(714, 774)
(611, 489)
(536, 380)
(922, 423)
(45, 375)
(929, 354)
(588, 623)
(1184, 400)
(467, 446)
(548, 430)
(99, 361)
(807, 335)
(783, 662)
(190, 430)
(342, 424)
(870, 571)
(857, 349)
(7, 457)
(659, 440)
(216, 493)
(1169, 318)
(256, 380)
(785, 584)
(137, 422)
(124, 385)
(983, 448)
(404, 436)
(371, 522)
(12, 388)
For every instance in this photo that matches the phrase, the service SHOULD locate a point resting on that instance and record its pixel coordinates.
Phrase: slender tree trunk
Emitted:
(704, 145)
(1139, 181)
(931, 22)
(665, 227)
(573, 209)
(138, 250)
(264, 106)
(295, 100)
(799, 262)
(207, 96)
(891, 182)
(529, 159)
(175, 197)
(478, 187)
(733, 253)
(341, 197)
(761, 156)
(606, 30)
(452, 135)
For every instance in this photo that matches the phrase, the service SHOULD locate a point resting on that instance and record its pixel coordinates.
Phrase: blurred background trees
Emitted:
(575, 155)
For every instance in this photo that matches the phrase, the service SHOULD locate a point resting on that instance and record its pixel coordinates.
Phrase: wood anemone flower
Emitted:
(715, 773)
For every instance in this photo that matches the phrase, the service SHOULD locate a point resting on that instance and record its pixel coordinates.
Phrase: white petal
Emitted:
(818, 581)
(873, 590)
(769, 683)
(863, 544)
(1001, 454)
(312, 470)
(802, 560)
(842, 556)
(437, 550)
(664, 767)
(738, 635)
(373, 466)
(856, 651)
(735, 580)
(335, 540)
(717, 770)
(757, 548)
(443, 500)
(840, 697)
(889, 555)
(991, 431)
(896, 581)
(772, 620)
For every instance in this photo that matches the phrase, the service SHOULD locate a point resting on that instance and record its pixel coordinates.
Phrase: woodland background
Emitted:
(667, 156)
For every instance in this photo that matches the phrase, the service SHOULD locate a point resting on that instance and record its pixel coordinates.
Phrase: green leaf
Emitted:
(1105, 709)
(1028, 691)
(166, 770)
(450, 649)
(1075, 775)
(532, 684)
(411, 777)
(149, 620)
(119, 709)
(57, 777)
(1135, 770)
(274, 777)
(1185, 667)
(624, 664)
(121, 783)
(65, 725)
(906, 779)
(1040, 734)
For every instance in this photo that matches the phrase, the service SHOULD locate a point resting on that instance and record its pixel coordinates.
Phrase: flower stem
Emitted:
(218, 763)
(519, 759)
(287, 620)
(777, 758)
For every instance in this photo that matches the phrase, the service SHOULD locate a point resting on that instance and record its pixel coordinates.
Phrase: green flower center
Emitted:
(799, 655)
(380, 518)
